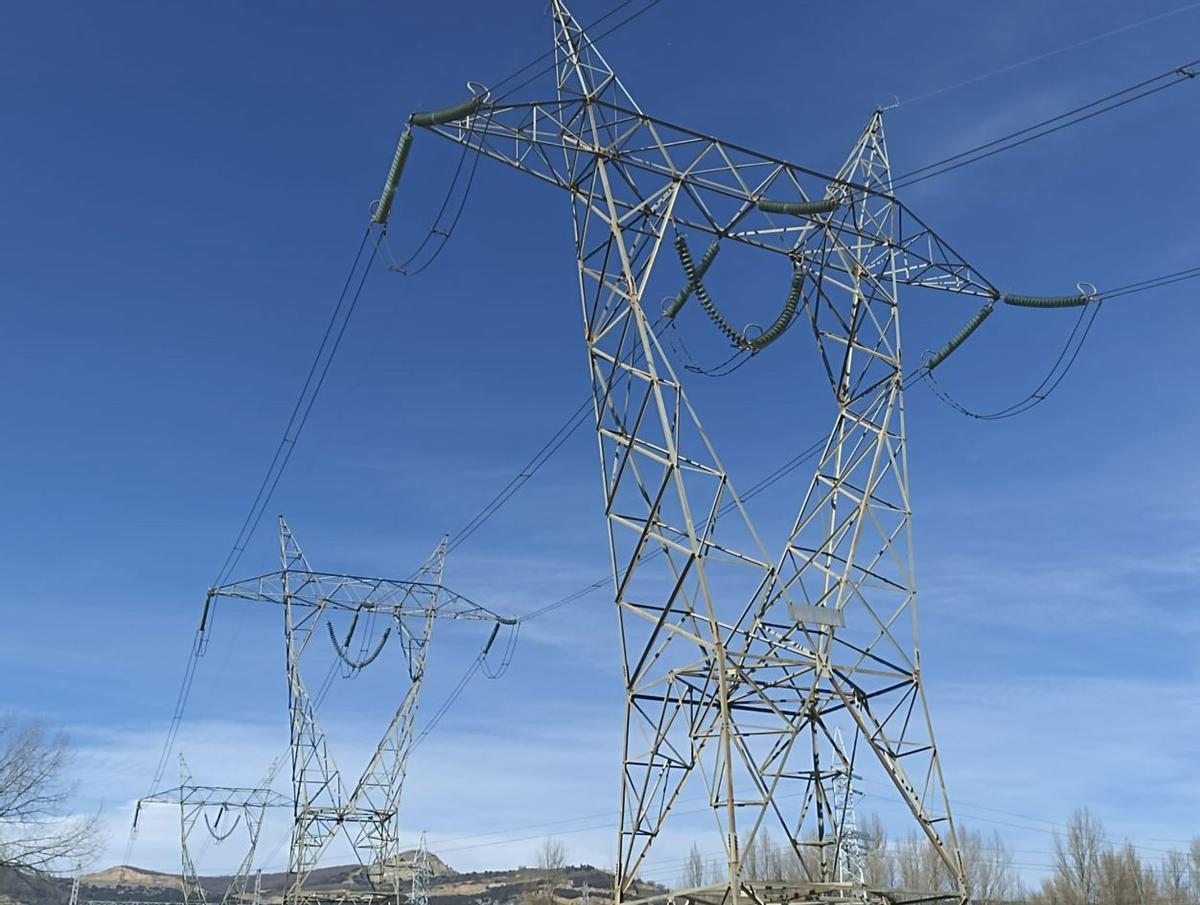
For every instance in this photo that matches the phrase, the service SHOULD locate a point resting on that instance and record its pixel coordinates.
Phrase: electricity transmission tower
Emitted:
(325, 806)
(742, 661)
(422, 874)
(850, 867)
(74, 898)
(223, 809)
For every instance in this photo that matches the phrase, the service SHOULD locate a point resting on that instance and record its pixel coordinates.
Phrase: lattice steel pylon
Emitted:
(233, 807)
(851, 865)
(73, 899)
(324, 805)
(422, 874)
(740, 664)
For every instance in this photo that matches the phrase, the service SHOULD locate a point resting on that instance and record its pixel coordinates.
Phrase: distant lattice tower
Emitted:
(852, 863)
(329, 804)
(422, 875)
(74, 900)
(222, 810)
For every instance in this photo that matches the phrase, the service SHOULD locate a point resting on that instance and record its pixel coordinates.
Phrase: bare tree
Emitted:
(1175, 888)
(879, 867)
(36, 832)
(1076, 876)
(718, 872)
(551, 855)
(1194, 857)
(1124, 880)
(693, 869)
(552, 863)
(919, 866)
(989, 866)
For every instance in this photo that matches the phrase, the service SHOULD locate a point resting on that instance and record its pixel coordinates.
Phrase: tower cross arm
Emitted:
(715, 187)
(328, 591)
(217, 796)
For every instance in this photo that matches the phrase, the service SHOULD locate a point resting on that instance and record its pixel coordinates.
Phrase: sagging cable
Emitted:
(960, 337)
(798, 208)
(341, 651)
(738, 338)
(215, 833)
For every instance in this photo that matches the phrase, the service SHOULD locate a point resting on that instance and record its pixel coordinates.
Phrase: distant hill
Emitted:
(127, 875)
(448, 887)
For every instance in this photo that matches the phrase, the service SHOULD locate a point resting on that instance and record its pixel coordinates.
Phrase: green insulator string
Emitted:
(685, 293)
(357, 664)
(1054, 377)
(798, 208)
(706, 302)
(384, 207)
(449, 114)
(738, 338)
(1046, 301)
(779, 327)
(959, 338)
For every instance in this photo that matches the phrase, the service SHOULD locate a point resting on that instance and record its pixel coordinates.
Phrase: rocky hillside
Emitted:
(449, 887)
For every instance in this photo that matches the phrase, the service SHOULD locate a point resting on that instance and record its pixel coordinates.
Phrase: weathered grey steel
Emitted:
(740, 664)
(244, 807)
(324, 804)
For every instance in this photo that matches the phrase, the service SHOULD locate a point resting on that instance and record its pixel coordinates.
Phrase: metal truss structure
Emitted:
(365, 813)
(223, 809)
(422, 875)
(851, 864)
(73, 899)
(742, 663)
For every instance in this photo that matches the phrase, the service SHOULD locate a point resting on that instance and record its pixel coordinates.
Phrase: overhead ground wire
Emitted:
(1109, 102)
(1037, 58)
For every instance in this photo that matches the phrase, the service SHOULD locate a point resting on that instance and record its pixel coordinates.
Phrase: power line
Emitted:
(1049, 126)
(1074, 45)
(590, 42)
(1153, 283)
(303, 407)
(314, 380)
(527, 471)
(304, 404)
(945, 165)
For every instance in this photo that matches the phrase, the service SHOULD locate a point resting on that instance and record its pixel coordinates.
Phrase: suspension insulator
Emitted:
(1046, 301)
(706, 302)
(960, 337)
(798, 208)
(345, 657)
(686, 292)
(448, 115)
(739, 339)
(393, 178)
(784, 320)
(491, 638)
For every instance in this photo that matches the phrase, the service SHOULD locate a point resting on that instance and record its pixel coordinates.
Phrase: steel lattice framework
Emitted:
(741, 663)
(325, 805)
(233, 807)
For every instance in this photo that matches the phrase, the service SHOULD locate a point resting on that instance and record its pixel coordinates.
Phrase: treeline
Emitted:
(1086, 868)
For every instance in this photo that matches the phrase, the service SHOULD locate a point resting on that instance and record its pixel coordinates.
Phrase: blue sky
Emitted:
(184, 187)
